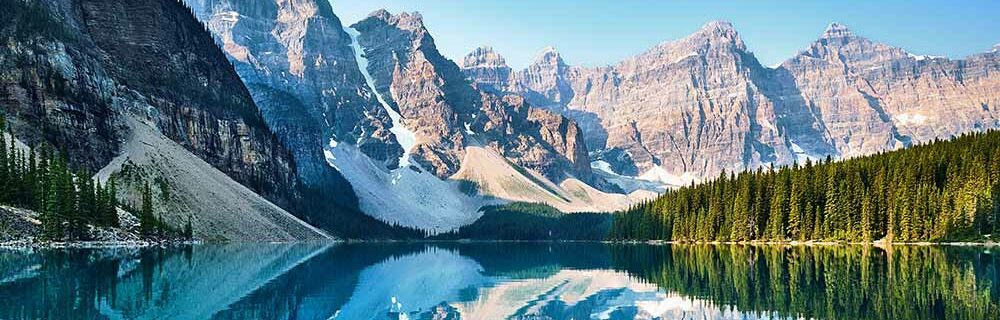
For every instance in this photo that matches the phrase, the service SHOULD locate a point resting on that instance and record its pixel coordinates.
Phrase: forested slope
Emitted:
(940, 191)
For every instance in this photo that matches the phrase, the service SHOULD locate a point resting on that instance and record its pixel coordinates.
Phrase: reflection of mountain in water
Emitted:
(500, 281)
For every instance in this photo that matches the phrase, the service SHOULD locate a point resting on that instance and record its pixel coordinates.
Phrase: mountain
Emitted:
(869, 97)
(299, 66)
(138, 90)
(688, 109)
(379, 109)
(497, 144)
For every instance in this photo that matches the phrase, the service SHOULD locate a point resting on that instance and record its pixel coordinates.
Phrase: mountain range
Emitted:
(689, 109)
(273, 120)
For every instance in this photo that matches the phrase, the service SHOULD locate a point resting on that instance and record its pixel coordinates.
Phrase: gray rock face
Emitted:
(872, 97)
(488, 68)
(139, 90)
(447, 113)
(704, 103)
(298, 63)
(91, 61)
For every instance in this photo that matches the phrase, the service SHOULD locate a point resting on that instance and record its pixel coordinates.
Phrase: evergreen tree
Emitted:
(947, 190)
(147, 221)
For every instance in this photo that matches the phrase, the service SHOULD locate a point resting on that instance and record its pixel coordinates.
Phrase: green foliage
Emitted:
(529, 221)
(825, 282)
(941, 191)
(43, 182)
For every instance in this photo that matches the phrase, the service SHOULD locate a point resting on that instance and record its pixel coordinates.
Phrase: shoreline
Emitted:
(22, 244)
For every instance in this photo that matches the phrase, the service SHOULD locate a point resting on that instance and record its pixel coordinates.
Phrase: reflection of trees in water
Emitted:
(61, 284)
(310, 281)
(189, 282)
(851, 282)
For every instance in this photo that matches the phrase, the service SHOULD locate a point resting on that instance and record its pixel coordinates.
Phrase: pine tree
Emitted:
(147, 221)
(188, 232)
(780, 206)
(111, 208)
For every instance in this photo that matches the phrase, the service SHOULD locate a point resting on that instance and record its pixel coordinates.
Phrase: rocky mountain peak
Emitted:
(837, 31)
(409, 21)
(718, 26)
(484, 57)
(549, 56)
(719, 30)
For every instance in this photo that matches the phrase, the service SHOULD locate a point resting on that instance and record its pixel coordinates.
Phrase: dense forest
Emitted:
(67, 201)
(940, 191)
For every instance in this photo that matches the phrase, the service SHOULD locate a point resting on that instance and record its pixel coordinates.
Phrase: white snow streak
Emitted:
(406, 138)
(908, 119)
(657, 173)
(801, 155)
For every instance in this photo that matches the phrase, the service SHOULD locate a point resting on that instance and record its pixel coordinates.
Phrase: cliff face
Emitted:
(871, 97)
(691, 106)
(701, 104)
(82, 76)
(447, 114)
(159, 50)
(298, 63)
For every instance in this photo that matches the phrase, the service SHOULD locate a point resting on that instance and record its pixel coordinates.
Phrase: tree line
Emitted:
(67, 201)
(824, 282)
(940, 191)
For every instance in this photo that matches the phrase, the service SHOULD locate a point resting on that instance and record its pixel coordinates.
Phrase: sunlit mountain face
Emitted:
(500, 281)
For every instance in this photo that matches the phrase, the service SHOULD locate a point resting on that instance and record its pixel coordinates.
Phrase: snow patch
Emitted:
(404, 136)
(628, 183)
(922, 57)
(911, 119)
(657, 173)
(404, 196)
(690, 54)
(801, 155)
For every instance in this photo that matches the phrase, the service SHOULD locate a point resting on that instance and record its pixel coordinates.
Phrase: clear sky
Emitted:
(602, 32)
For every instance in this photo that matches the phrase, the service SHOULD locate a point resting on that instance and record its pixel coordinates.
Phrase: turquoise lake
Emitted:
(501, 281)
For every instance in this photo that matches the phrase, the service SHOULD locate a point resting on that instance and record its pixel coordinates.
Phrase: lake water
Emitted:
(500, 281)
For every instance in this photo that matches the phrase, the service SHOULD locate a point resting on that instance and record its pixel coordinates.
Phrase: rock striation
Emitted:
(691, 108)
(447, 113)
(79, 75)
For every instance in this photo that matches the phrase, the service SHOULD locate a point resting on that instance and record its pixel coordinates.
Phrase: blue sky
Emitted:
(602, 32)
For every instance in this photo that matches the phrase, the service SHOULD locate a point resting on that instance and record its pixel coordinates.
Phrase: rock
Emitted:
(72, 81)
(704, 104)
(448, 114)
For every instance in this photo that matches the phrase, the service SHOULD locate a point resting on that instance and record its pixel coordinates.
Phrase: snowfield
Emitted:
(628, 183)
(657, 173)
(406, 196)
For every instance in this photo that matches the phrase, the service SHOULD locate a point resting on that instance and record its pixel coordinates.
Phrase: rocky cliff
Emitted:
(447, 113)
(690, 108)
(298, 63)
(82, 76)
(869, 96)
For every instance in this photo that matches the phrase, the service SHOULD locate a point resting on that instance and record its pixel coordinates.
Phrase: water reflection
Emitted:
(500, 281)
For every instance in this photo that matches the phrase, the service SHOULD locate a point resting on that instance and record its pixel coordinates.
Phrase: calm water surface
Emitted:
(500, 281)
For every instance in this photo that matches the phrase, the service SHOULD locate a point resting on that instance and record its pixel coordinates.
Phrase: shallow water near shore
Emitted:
(447, 280)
